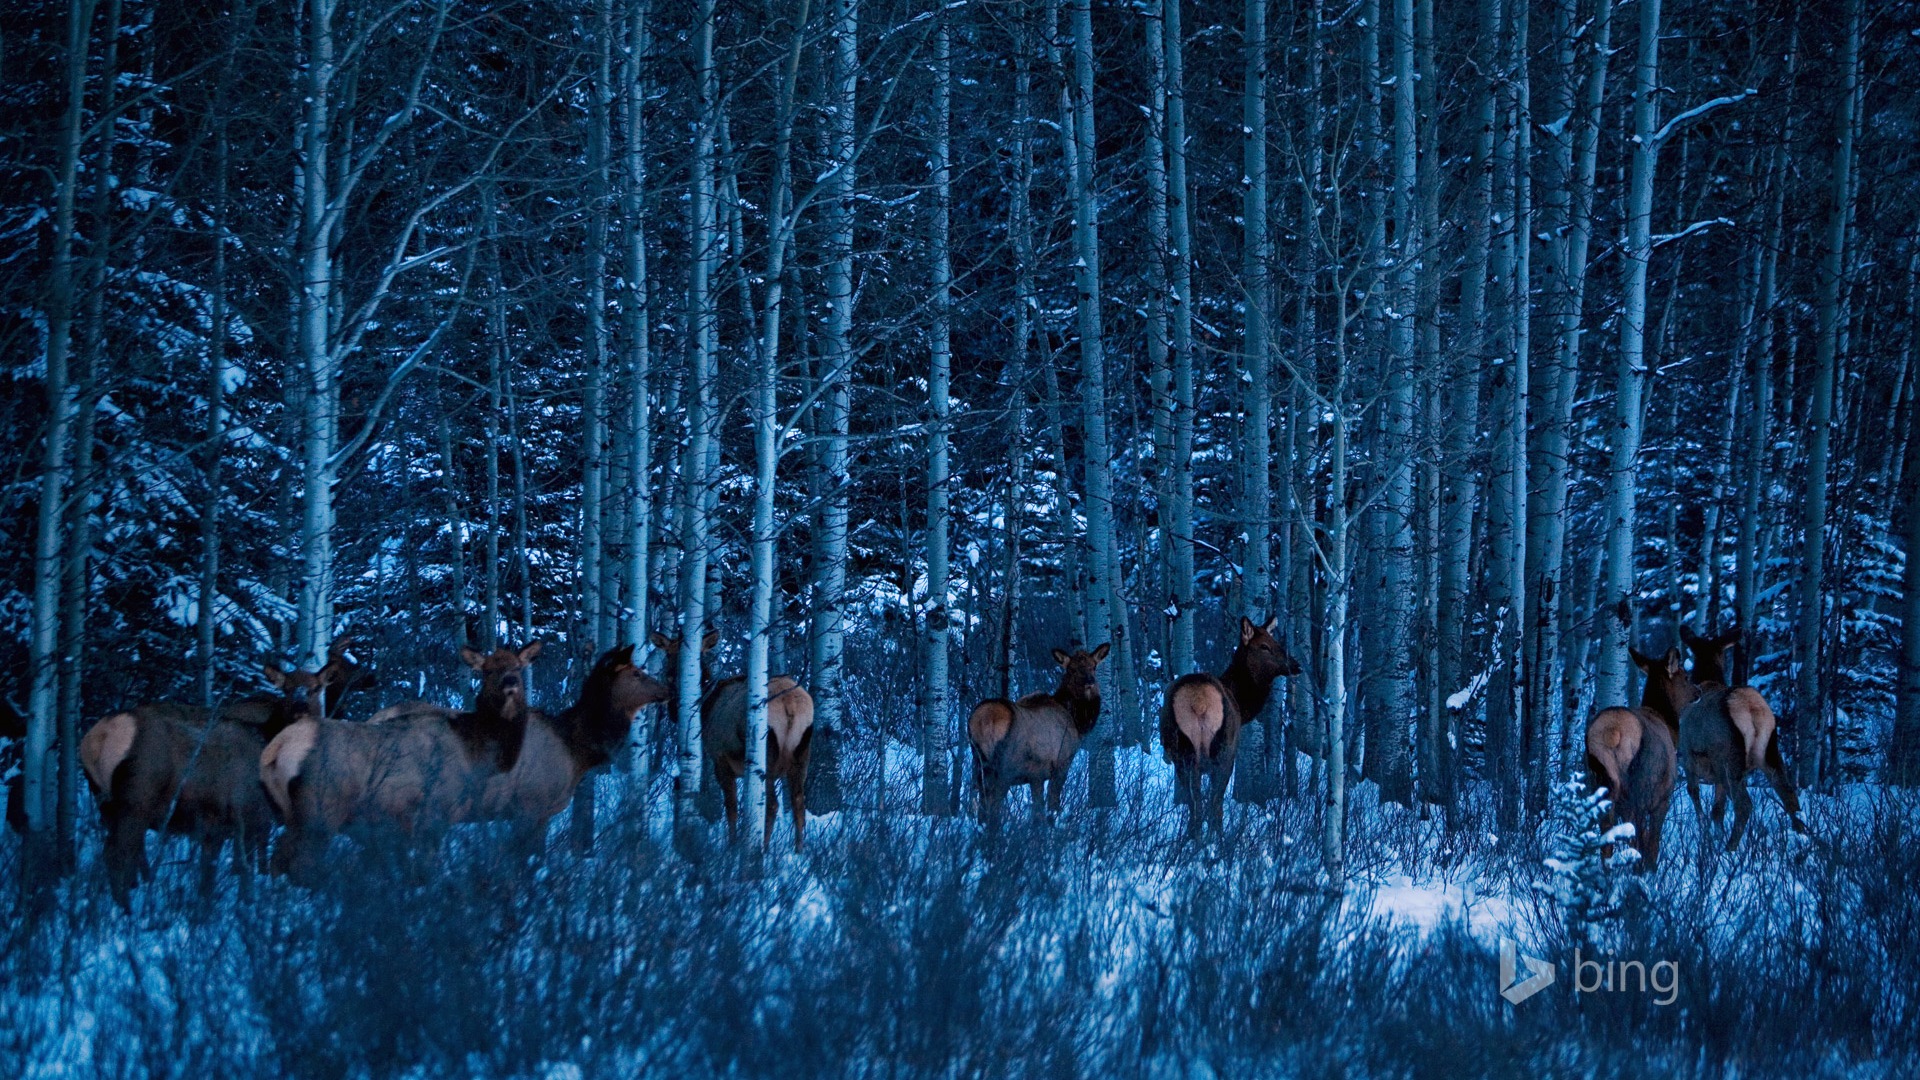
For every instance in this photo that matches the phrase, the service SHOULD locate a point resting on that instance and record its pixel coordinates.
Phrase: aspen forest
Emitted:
(685, 441)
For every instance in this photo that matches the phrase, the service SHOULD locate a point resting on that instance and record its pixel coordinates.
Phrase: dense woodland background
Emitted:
(902, 342)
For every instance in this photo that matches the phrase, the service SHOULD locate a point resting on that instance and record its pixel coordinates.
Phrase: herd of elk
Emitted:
(1630, 752)
(1033, 740)
(177, 769)
(1201, 719)
(413, 769)
(416, 768)
(1720, 734)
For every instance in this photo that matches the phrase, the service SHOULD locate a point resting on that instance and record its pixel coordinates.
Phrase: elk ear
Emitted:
(1100, 653)
(1640, 659)
(1247, 629)
(1689, 638)
(1273, 627)
(472, 657)
(707, 643)
(1060, 657)
(532, 650)
(1729, 639)
(1675, 663)
(276, 675)
(659, 640)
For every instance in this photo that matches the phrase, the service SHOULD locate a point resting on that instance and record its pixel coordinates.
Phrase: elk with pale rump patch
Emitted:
(1033, 741)
(1201, 719)
(723, 735)
(1630, 752)
(415, 770)
(1727, 734)
(171, 768)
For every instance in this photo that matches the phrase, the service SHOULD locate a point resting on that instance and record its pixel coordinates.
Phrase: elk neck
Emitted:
(1250, 691)
(593, 728)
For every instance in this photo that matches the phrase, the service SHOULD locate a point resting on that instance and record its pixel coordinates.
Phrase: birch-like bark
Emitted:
(1159, 360)
(638, 344)
(594, 587)
(1617, 601)
(934, 721)
(206, 622)
(1180, 515)
(836, 363)
(1389, 758)
(1105, 614)
(1809, 706)
(1579, 97)
(703, 228)
(1256, 257)
(40, 782)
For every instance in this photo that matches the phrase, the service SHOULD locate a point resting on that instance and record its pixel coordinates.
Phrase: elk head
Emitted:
(629, 687)
(1264, 654)
(503, 693)
(343, 675)
(1709, 663)
(1669, 690)
(670, 648)
(1078, 683)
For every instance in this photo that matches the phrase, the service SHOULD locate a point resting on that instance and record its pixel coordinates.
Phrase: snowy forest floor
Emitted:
(898, 945)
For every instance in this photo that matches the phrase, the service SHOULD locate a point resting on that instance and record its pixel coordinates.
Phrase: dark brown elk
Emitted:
(1033, 741)
(1201, 719)
(172, 769)
(1727, 734)
(414, 771)
(1630, 752)
(559, 751)
(723, 735)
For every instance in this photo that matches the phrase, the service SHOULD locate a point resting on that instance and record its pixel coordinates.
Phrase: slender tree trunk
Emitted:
(836, 362)
(1105, 613)
(638, 342)
(703, 227)
(314, 320)
(593, 414)
(1180, 516)
(1618, 601)
(206, 622)
(1809, 705)
(40, 783)
(1903, 755)
(1256, 256)
(934, 720)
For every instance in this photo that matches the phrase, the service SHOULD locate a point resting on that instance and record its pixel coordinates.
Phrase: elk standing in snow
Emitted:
(1033, 740)
(1727, 734)
(1630, 752)
(1201, 720)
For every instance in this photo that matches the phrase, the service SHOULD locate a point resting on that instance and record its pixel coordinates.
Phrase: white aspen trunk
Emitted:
(1180, 524)
(1339, 590)
(1529, 774)
(934, 721)
(1389, 758)
(1105, 613)
(836, 362)
(1617, 600)
(1256, 257)
(1809, 706)
(314, 325)
(498, 358)
(593, 414)
(766, 443)
(703, 227)
(1159, 367)
(638, 326)
(1025, 304)
(1571, 203)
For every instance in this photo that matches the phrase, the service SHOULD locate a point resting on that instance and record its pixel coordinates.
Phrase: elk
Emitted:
(173, 769)
(1630, 752)
(1201, 719)
(1032, 741)
(558, 752)
(1726, 735)
(723, 735)
(414, 770)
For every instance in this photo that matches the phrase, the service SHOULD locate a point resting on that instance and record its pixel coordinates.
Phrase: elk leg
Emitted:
(209, 861)
(1650, 854)
(730, 791)
(1719, 804)
(773, 812)
(1693, 792)
(1776, 770)
(1742, 809)
(126, 856)
(1056, 788)
(797, 799)
(1039, 790)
